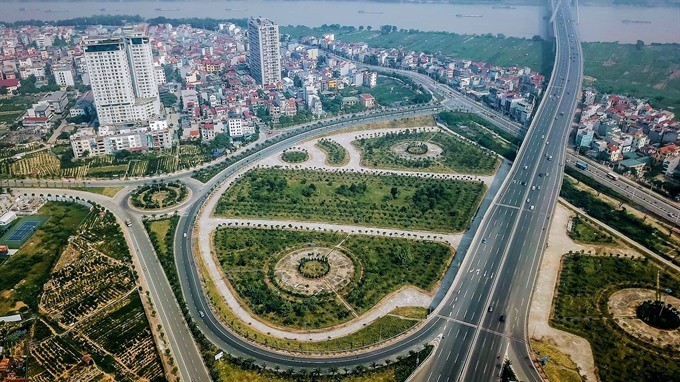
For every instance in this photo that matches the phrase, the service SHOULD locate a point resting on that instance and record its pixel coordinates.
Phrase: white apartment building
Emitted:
(264, 56)
(123, 78)
(63, 75)
(239, 128)
(87, 142)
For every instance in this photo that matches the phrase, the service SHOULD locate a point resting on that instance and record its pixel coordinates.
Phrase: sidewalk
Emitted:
(541, 304)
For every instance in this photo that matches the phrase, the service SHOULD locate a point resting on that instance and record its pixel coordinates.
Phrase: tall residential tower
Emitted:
(264, 57)
(123, 79)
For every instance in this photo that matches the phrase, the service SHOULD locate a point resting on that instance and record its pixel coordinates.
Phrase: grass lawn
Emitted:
(106, 171)
(106, 191)
(650, 72)
(457, 156)
(382, 265)
(294, 156)
(410, 312)
(485, 134)
(361, 199)
(586, 282)
(559, 367)
(24, 274)
(160, 228)
(494, 50)
(390, 92)
(585, 232)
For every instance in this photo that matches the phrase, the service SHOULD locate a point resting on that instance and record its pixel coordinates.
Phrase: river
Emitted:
(597, 23)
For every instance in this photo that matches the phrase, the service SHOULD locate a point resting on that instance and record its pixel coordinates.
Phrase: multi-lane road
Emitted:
(483, 316)
(488, 304)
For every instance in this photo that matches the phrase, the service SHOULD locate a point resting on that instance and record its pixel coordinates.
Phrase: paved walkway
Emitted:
(541, 305)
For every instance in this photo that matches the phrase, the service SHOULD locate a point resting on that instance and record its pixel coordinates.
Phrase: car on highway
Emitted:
(185, 234)
(531, 208)
(200, 313)
(490, 308)
(501, 318)
(483, 241)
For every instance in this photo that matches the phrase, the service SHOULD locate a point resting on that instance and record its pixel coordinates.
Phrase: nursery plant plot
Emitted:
(381, 266)
(42, 163)
(377, 200)
(456, 155)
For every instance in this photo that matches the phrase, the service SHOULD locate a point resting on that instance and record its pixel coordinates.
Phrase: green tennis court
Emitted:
(22, 230)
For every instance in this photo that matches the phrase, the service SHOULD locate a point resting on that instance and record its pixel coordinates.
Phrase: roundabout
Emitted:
(159, 196)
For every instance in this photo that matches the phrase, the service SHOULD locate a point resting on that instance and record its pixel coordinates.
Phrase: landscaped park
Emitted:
(311, 280)
(432, 151)
(387, 200)
(323, 254)
(613, 302)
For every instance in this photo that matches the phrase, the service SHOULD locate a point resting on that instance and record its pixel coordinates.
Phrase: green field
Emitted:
(652, 71)
(620, 220)
(24, 274)
(503, 51)
(586, 232)
(390, 92)
(14, 107)
(457, 156)
(485, 134)
(379, 201)
(586, 282)
(382, 265)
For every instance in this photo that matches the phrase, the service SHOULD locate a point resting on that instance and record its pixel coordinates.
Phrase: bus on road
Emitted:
(612, 176)
(581, 165)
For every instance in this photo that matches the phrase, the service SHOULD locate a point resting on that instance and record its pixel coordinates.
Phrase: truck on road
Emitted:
(581, 165)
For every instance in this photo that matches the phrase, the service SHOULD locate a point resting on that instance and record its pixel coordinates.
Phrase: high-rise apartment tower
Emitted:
(122, 78)
(264, 57)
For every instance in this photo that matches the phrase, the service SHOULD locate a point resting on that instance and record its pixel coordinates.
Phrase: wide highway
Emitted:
(496, 277)
(488, 304)
(499, 271)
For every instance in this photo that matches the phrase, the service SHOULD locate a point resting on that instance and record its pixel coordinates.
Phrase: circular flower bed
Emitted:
(314, 267)
(658, 315)
(417, 148)
(295, 156)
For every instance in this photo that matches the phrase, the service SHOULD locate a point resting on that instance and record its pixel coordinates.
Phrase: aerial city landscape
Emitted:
(309, 190)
